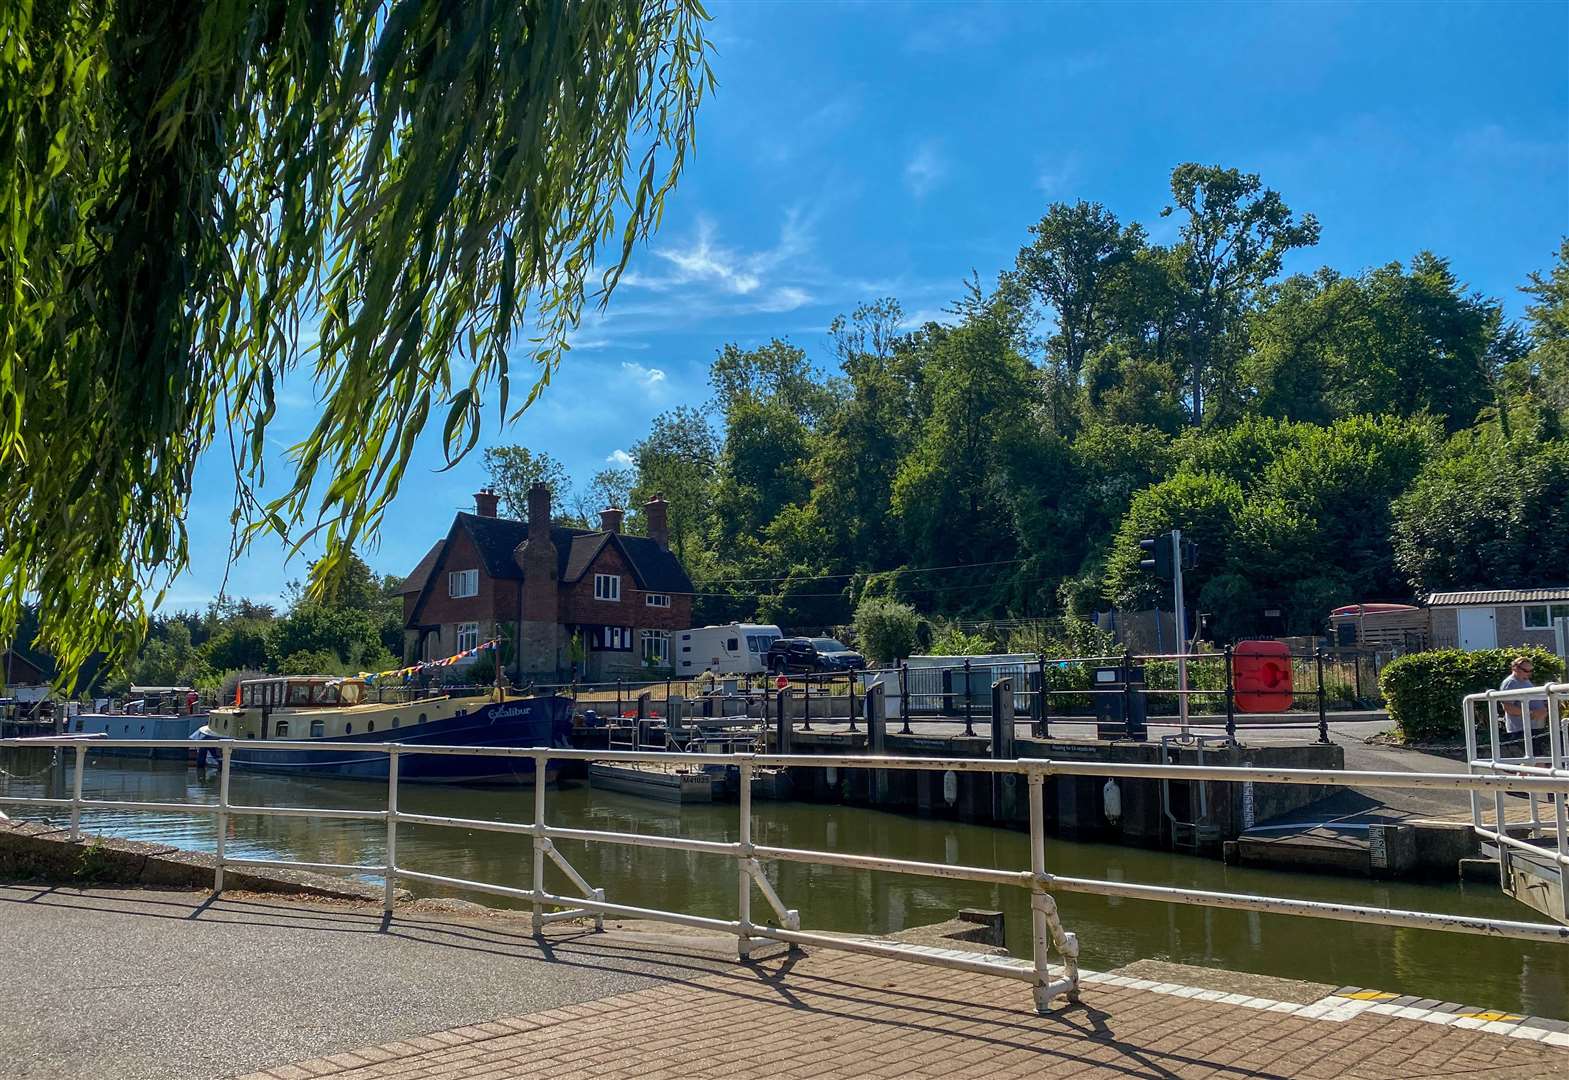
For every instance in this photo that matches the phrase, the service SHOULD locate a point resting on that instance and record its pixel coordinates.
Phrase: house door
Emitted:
(1478, 628)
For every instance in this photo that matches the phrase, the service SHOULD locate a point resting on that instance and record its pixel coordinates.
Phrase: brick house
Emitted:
(539, 585)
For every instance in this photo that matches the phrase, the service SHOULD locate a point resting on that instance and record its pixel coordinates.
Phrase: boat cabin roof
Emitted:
(301, 690)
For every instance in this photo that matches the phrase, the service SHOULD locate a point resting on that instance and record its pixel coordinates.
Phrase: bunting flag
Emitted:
(404, 673)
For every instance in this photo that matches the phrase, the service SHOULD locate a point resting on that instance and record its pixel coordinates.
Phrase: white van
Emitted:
(731, 649)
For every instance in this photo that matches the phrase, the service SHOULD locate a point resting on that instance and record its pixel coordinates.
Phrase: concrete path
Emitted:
(103, 983)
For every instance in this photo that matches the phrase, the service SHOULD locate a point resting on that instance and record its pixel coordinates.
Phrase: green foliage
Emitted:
(348, 635)
(170, 660)
(202, 200)
(953, 640)
(239, 643)
(1424, 689)
(313, 662)
(886, 630)
(512, 470)
(1486, 512)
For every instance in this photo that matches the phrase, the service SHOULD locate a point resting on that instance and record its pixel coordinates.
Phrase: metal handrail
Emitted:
(1049, 938)
(1553, 766)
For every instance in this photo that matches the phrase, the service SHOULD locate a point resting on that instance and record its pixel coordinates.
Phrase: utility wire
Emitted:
(857, 573)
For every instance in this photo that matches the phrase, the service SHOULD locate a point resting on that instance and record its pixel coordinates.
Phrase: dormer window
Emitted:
(607, 586)
(462, 583)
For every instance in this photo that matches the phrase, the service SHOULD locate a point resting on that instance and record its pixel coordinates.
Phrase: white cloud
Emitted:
(620, 459)
(1056, 176)
(707, 261)
(925, 169)
(648, 377)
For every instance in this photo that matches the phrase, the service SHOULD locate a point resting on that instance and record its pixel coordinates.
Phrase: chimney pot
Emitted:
(610, 519)
(485, 502)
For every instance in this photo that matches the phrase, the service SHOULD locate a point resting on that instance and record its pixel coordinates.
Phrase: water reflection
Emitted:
(1502, 974)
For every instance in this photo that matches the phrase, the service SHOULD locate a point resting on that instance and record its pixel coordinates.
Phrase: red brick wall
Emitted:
(579, 606)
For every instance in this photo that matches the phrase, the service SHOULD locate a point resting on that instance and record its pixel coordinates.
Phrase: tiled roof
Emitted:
(1498, 596)
(655, 568)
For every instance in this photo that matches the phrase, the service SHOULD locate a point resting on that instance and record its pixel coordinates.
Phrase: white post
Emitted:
(743, 875)
(392, 830)
(1180, 610)
(223, 816)
(1038, 926)
(1555, 749)
(76, 793)
(539, 843)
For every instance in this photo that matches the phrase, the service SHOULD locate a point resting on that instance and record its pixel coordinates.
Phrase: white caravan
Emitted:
(731, 649)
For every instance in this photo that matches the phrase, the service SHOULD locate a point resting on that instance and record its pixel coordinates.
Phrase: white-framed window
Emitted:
(468, 635)
(607, 586)
(657, 599)
(463, 583)
(1542, 616)
(656, 647)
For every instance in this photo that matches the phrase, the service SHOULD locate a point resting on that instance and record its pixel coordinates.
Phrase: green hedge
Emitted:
(1424, 689)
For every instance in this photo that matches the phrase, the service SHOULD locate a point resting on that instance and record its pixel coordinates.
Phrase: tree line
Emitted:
(1327, 438)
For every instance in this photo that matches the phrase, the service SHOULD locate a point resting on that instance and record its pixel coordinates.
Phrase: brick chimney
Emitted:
(539, 512)
(656, 512)
(610, 519)
(539, 639)
(485, 502)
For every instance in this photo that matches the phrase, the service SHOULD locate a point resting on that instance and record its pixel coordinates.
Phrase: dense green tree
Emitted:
(1398, 340)
(677, 460)
(1204, 506)
(188, 186)
(1539, 380)
(512, 470)
(1070, 265)
(886, 631)
(1234, 235)
(1487, 512)
(170, 659)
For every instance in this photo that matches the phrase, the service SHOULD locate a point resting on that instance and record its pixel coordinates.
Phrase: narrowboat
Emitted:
(320, 708)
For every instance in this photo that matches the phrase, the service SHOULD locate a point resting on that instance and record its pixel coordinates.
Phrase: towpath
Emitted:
(103, 983)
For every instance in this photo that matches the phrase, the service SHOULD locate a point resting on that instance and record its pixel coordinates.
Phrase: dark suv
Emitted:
(802, 655)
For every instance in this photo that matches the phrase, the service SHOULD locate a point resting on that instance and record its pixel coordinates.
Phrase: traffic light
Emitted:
(1157, 556)
(1190, 554)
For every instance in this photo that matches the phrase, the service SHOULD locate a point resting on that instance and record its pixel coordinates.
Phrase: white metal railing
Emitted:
(1530, 837)
(1048, 936)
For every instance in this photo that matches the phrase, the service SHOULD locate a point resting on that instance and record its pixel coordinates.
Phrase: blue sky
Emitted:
(854, 151)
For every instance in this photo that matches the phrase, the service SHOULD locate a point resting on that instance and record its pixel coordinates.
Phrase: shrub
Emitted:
(886, 630)
(952, 640)
(1424, 689)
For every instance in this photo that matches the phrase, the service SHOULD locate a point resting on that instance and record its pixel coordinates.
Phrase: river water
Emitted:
(1511, 975)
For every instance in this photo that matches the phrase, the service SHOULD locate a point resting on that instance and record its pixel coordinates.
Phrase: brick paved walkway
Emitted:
(838, 1015)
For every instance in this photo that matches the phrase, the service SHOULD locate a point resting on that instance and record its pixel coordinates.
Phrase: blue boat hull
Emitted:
(524, 722)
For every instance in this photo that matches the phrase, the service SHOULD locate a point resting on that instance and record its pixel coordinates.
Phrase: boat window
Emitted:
(348, 729)
(371, 726)
(80, 724)
(324, 693)
(282, 730)
(318, 729)
(226, 723)
(395, 721)
(422, 718)
(251, 735)
(351, 693)
(247, 695)
(299, 693)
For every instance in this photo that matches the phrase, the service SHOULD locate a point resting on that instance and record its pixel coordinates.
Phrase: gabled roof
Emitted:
(1498, 596)
(654, 568)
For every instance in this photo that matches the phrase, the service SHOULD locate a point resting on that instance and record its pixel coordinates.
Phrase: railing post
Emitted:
(969, 698)
(1231, 698)
(392, 829)
(1038, 714)
(540, 839)
(1127, 694)
(806, 721)
(76, 794)
(904, 698)
(852, 700)
(1323, 716)
(1045, 928)
(743, 946)
(223, 816)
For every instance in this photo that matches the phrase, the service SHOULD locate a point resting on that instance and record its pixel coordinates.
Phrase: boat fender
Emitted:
(950, 787)
(1111, 801)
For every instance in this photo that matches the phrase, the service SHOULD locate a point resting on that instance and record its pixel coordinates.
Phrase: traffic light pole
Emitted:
(1180, 610)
